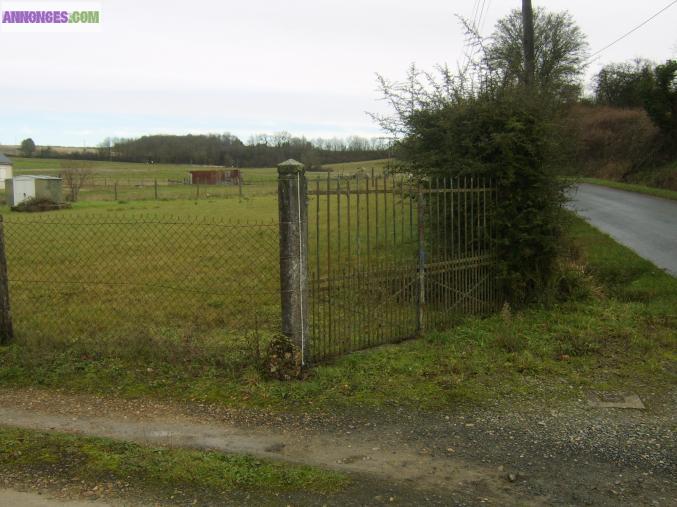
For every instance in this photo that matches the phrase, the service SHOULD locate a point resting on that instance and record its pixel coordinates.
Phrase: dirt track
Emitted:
(570, 454)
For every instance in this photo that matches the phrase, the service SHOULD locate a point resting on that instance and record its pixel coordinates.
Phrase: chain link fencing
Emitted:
(144, 284)
(384, 258)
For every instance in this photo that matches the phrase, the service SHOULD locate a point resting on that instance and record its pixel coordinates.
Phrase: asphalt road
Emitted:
(646, 224)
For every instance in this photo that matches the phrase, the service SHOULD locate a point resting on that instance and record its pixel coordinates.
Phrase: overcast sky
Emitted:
(304, 66)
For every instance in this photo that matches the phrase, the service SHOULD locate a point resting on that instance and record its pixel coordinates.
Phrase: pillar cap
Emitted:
(290, 166)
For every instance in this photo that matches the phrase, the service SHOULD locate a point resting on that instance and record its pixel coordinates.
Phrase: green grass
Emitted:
(632, 187)
(618, 332)
(156, 470)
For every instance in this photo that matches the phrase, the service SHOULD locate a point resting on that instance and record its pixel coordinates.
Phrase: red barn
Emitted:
(208, 177)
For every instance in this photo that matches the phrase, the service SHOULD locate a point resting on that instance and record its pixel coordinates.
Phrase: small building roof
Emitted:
(35, 177)
(4, 160)
(290, 163)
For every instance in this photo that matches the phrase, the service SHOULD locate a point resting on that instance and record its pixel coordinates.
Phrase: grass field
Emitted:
(122, 285)
(616, 331)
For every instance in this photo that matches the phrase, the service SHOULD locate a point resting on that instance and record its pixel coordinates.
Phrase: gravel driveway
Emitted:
(555, 453)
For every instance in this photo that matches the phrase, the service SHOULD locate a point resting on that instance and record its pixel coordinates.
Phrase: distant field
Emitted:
(121, 170)
(136, 192)
(12, 150)
(129, 181)
(353, 167)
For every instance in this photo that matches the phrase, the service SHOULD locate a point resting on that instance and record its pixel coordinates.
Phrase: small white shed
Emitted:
(5, 170)
(22, 188)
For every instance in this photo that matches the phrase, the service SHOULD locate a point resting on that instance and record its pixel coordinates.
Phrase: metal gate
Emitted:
(390, 257)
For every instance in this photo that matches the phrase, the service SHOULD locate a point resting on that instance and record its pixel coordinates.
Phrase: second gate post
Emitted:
(293, 222)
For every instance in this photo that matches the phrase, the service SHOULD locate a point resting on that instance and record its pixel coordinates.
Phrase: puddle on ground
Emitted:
(605, 399)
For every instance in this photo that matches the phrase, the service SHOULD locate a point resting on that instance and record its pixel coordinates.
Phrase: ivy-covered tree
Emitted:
(484, 121)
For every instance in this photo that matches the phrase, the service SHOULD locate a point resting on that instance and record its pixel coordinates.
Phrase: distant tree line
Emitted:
(627, 130)
(642, 84)
(261, 150)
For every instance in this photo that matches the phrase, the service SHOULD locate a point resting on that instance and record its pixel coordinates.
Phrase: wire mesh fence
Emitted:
(116, 280)
(142, 189)
(385, 258)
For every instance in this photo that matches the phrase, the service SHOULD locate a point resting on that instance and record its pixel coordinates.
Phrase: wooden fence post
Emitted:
(293, 223)
(115, 190)
(156, 189)
(6, 329)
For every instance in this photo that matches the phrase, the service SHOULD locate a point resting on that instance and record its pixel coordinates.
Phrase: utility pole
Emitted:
(528, 42)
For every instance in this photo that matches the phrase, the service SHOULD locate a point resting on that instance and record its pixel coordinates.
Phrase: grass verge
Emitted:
(617, 331)
(632, 187)
(89, 463)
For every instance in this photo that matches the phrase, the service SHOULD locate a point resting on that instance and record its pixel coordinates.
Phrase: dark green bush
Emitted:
(506, 136)
(39, 204)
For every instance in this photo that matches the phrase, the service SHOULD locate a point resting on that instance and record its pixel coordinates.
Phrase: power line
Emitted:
(474, 12)
(485, 15)
(631, 31)
(477, 28)
(478, 13)
(473, 24)
(479, 20)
